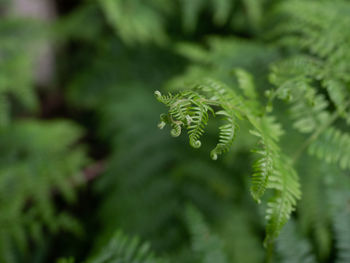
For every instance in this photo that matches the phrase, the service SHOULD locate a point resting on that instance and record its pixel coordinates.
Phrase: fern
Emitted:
(111, 55)
(292, 247)
(37, 163)
(317, 31)
(273, 170)
(135, 21)
(268, 133)
(18, 49)
(293, 78)
(333, 146)
(207, 245)
(227, 135)
(342, 233)
(122, 248)
(239, 235)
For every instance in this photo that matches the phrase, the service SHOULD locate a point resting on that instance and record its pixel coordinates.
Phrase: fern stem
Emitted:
(269, 252)
(318, 132)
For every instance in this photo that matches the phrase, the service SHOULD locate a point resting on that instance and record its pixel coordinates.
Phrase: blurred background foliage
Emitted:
(86, 176)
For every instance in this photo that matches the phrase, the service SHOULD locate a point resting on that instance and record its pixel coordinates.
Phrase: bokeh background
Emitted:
(81, 156)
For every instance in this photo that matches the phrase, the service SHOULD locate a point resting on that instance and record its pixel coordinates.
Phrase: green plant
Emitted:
(261, 87)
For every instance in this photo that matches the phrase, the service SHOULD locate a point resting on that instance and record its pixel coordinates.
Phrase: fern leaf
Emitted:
(168, 100)
(292, 78)
(333, 146)
(285, 182)
(207, 245)
(136, 21)
(199, 119)
(263, 167)
(342, 231)
(122, 248)
(226, 136)
(292, 247)
(268, 133)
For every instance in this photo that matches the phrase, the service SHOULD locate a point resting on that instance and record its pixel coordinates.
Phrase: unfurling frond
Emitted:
(197, 123)
(272, 170)
(190, 109)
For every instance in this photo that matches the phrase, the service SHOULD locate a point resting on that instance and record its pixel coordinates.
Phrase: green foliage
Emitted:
(291, 247)
(18, 49)
(273, 170)
(37, 165)
(121, 248)
(208, 246)
(333, 146)
(261, 87)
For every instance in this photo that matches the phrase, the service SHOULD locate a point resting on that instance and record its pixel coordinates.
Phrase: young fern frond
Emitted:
(167, 100)
(333, 146)
(190, 109)
(198, 121)
(272, 170)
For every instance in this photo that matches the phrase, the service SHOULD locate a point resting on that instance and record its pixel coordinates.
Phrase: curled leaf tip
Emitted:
(196, 144)
(157, 93)
(213, 155)
(176, 131)
(161, 125)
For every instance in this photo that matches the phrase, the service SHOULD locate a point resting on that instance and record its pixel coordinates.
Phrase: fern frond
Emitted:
(135, 21)
(333, 146)
(280, 207)
(40, 158)
(292, 247)
(122, 248)
(246, 83)
(207, 245)
(272, 171)
(342, 236)
(168, 99)
(314, 28)
(197, 123)
(239, 236)
(187, 109)
(268, 133)
(227, 135)
(262, 170)
(313, 214)
(293, 79)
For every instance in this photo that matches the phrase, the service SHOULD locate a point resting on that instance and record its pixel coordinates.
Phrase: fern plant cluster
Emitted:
(259, 90)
